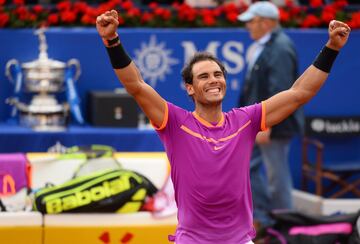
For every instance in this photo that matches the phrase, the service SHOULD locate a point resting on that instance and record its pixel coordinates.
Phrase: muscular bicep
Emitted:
(150, 102)
(153, 105)
(281, 106)
(281, 102)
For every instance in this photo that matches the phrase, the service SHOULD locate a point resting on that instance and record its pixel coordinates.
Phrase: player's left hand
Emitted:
(338, 34)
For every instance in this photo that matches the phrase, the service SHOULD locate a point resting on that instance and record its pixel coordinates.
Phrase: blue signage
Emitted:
(161, 53)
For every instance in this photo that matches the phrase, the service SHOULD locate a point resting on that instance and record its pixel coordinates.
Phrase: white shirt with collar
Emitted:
(255, 50)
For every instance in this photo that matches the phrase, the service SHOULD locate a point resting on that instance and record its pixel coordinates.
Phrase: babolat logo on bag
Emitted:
(108, 191)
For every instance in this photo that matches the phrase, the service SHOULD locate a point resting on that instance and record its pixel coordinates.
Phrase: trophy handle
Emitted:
(76, 63)
(11, 62)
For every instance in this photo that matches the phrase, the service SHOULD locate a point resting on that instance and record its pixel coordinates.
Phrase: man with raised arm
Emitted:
(209, 150)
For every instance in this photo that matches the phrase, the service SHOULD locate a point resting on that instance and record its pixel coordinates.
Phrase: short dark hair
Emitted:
(187, 74)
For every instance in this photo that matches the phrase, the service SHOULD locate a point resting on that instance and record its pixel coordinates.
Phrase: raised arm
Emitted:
(281, 105)
(148, 99)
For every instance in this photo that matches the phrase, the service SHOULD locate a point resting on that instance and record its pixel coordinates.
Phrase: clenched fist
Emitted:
(106, 24)
(338, 34)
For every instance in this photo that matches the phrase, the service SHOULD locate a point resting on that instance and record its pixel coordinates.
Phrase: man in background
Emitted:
(272, 67)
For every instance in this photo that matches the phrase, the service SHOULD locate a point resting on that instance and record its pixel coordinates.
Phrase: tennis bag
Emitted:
(118, 190)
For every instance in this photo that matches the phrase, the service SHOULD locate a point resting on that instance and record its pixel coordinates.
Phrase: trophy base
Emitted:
(51, 128)
(44, 122)
(43, 113)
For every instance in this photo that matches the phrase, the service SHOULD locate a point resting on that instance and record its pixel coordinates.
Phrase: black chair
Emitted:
(331, 180)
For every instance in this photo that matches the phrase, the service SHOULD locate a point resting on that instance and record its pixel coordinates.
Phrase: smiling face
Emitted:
(209, 85)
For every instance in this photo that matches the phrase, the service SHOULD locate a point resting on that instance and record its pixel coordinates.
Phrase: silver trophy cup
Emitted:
(42, 77)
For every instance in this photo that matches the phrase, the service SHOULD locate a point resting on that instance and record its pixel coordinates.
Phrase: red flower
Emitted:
(175, 5)
(232, 17)
(166, 15)
(115, 2)
(23, 14)
(91, 12)
(53, 19)
(68, 17)
(206, 12)
(146, 17)
(316, 3)
(295, 11)
(133, 12)
(340, 4)
(38, 9)
(289, 3)
(158, 11)
(121, 20)
(231, 7)
(4, 19)
(187, 13)
(20, 11)
(31, 17)
(102, 8)
(19, 2)
(311, 21)
(153, 5)
(88, 19)
(231, 12)
(112, 4)
(330, 9)
(209, 20)
(63, 6)
(127, 5)
(217, 12)
(284, 16)
(80, 7)
(327, 16)
(355, 20)
(69, 12)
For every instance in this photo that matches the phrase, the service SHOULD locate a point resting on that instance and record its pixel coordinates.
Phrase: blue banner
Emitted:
(161, 53)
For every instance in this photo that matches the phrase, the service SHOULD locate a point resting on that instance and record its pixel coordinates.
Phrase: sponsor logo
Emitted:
(154, 60)
(85, 197)
(318, 125)
(218, 148)
(334, 125)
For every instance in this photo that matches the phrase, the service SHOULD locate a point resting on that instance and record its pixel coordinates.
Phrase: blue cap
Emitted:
(262, 9)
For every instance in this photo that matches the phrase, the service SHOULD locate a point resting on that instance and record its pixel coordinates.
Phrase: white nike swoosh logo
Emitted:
(217, 148)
